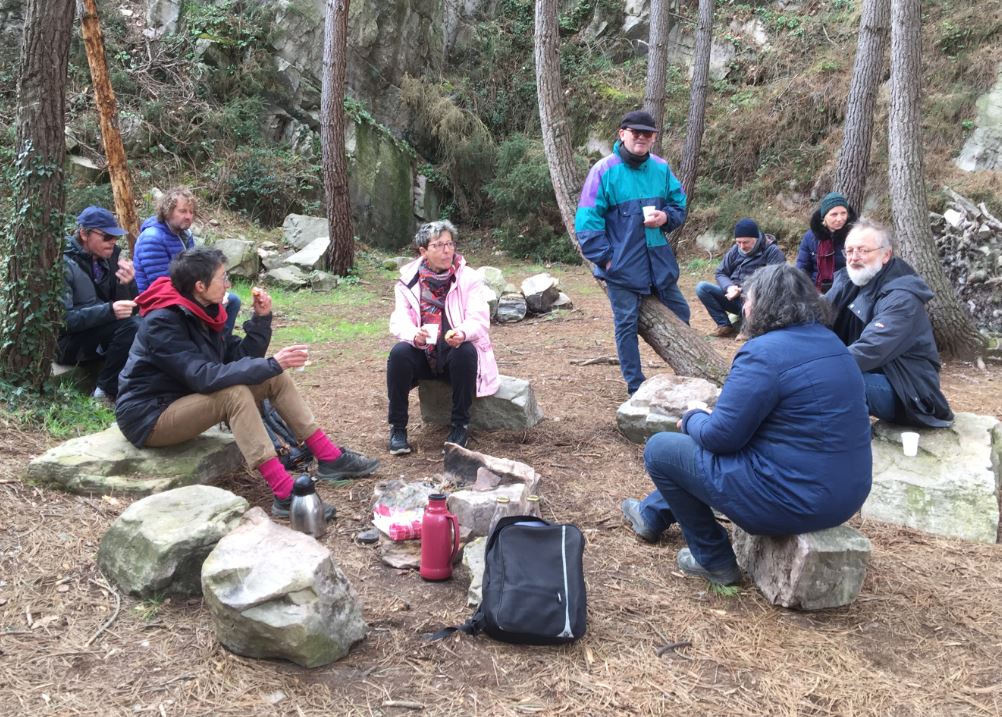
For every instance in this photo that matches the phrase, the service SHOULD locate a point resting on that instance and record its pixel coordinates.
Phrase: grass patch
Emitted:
(327, 333)
(725, 591)
(348, 293)
(62, 411)
(700, 266)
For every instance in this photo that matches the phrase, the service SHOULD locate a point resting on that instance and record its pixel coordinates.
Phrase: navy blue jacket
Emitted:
(807, 256)
(893, 336)
(787, 447)
(175, 354)
(737, 268)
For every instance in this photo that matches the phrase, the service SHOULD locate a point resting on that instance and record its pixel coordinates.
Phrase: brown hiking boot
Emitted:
(724, 331)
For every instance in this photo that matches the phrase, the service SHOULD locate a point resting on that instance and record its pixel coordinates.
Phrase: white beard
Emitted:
(862, 277)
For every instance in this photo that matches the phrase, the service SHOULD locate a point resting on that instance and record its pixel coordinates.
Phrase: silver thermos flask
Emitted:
(307, 511)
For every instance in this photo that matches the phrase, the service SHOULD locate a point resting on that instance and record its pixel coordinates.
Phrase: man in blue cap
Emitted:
(630, 202)
(99, 293)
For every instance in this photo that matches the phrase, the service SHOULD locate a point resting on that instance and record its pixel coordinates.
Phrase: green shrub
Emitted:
(267, 184)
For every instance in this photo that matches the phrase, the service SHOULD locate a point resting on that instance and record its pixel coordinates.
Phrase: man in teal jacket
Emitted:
(629, 203)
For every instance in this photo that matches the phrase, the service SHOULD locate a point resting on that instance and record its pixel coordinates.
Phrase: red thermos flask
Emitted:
(438, 547)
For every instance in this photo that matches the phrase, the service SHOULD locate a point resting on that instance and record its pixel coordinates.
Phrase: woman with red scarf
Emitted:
(821, 248)
(442, 320)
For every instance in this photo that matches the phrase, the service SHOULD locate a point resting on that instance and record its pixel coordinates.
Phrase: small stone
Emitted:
(401, 554)
(474, 560)
(953, 218)
(368, 537)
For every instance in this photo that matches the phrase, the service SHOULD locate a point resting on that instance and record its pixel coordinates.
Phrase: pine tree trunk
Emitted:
(681, 347)
(107, 110)
(31, 276)
(341, 254)
(657, 65)
(857, 136)
(955, 333)
(697, 99)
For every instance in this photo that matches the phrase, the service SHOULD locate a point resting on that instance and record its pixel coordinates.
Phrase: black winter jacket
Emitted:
(175, 354)
(737, 268)
(896, 337)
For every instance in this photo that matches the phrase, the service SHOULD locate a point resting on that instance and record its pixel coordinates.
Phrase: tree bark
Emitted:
(956, 335)
(697, 100)
(681, 347)
(107, 110)
(31, 276)
(657, 65)
(341, 254)
(857, 136)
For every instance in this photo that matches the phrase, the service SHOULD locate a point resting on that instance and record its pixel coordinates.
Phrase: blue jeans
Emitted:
(717, 304)
(880, 399)
(232, 309)
(671, 461)
(625, 312)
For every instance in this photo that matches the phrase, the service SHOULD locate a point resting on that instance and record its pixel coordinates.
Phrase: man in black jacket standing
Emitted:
(880, 315)
(99, 293)
(185, 374)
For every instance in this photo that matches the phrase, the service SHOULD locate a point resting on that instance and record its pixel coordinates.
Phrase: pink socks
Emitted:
(277, 477)
(322, 447)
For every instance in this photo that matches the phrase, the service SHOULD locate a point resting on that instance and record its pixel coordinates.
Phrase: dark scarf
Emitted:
(434, 286)
(827, 243)
(631, 159)
(161, 294)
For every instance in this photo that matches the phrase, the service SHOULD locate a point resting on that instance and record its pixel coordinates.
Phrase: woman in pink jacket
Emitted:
(442, 320)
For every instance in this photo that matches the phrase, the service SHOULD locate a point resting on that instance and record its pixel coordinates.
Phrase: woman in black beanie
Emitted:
(821, 248)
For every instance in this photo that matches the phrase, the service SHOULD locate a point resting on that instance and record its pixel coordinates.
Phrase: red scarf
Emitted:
(826, 262)
(162, 294)
(434, 286)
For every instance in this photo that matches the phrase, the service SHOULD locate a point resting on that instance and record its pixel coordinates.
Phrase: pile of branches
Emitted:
(969, 241)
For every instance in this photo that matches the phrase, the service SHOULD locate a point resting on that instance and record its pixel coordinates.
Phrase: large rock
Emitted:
(299, 230)
(287, 277)
(811, 571)
(983, 149)
(474, 509)
(512, 408)
(493, 278)
(311, 255)
(105, 463)
(241, 257)
(275, 593)
(463, 467)
(540, 291)
(158, 544)
(511, 308)
(950, 488)
(659, 403)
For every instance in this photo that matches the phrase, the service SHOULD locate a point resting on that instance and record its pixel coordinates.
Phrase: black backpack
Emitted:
(533, 587)
(295, 456)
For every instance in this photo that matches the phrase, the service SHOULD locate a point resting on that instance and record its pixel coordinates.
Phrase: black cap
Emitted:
(304, 485)
(638, 119)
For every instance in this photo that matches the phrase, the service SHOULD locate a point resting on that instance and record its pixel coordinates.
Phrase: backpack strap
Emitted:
(470, 627)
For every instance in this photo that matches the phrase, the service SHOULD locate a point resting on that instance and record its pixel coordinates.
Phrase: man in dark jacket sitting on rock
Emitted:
(751, 251)
(99, 293)
(185, 374)
(880, 315)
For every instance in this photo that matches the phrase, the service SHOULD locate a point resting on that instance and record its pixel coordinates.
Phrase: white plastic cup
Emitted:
(303, 367)
(432, 331)
(696, 404)
(649, 212)
(909, 443)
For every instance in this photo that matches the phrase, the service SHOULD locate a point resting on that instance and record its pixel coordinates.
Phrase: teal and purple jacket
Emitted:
(610, 221)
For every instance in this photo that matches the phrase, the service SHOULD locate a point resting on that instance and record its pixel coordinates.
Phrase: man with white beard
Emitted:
(880, 314)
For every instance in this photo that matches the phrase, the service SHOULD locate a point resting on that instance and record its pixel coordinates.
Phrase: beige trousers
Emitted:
(239, 406)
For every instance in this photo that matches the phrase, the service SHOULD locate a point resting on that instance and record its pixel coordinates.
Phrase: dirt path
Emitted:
(925, 637)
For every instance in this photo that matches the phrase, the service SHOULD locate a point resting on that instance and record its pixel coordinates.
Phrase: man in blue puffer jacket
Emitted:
(165, 235)
(629, 203)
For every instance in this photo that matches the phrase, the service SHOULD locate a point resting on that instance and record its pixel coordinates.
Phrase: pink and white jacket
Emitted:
(466, 309)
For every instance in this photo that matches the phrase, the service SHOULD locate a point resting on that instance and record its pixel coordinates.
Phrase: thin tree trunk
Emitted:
(107, 110)
(854, 157)
(681, 347)
(657, 65)
(697, 99)
(31, 276)
(341, 254)
(956, 335)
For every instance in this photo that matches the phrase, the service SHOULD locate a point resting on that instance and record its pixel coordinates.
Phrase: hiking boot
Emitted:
(280, 509)
(724, 576)
(460, 435)
(348, 465)
(398, 442)
(722, 332)
(631, 511)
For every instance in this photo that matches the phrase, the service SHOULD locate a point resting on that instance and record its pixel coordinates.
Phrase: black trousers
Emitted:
(110, 342)
(407, 365)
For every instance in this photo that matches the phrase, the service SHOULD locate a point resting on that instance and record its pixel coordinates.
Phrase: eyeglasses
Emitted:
(858, 250)
(104, 237)
(640, 132)
(443, 245)
(225, 277)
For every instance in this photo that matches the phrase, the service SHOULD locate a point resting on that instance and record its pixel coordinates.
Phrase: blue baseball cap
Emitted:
(98, 218)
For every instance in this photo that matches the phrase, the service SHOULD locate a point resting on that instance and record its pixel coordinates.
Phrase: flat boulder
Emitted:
(298, 230)
(104, 463)
(812, 571)
(659, 403)
(512, 407)
(158, 544)
(950, 488)
(465, 467)
(288, 276)
(288, 601)
(511, 308)
(241, 257)
(310, 256)
(475, 509)
(540, 292)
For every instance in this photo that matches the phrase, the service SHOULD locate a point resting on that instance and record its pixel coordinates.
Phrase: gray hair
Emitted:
(865, 224)
(431, 231)
(781, 295)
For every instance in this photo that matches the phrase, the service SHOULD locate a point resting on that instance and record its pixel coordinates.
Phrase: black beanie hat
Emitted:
(746, 228)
